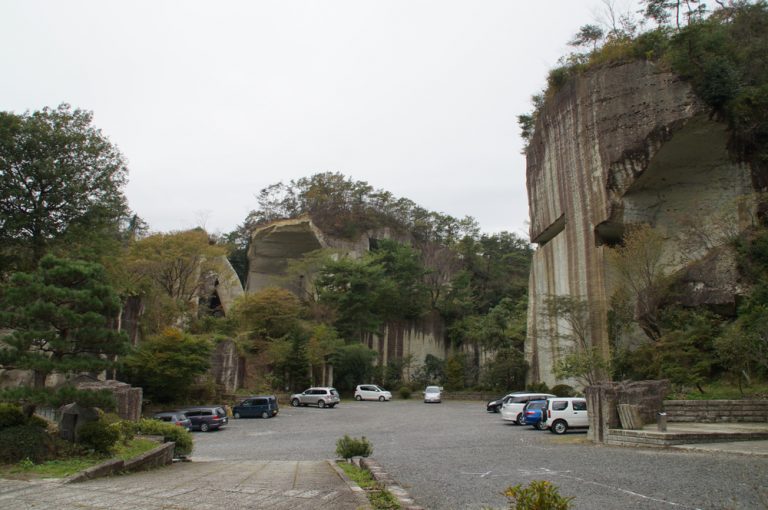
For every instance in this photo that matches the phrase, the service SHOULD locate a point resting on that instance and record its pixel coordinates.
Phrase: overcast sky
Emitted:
(212, 101)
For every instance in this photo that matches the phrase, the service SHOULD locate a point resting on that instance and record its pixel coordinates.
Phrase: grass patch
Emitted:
(380, 498)
(62, 468)
(722, 390)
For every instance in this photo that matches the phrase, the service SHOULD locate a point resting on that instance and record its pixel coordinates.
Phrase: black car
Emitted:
(206, 418)
(263, 406)
(494, 406)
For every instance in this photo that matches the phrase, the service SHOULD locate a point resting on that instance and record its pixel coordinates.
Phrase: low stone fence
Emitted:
(716, 411)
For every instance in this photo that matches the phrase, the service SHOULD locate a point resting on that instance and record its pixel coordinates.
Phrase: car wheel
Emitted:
(295, 402)
(358, 398)
(332, 406)
(204, 427)
(541, 425)
(381, 399)
(236, 416)
(321, 404)
(518, 418)
(265, 414)
(559, 427)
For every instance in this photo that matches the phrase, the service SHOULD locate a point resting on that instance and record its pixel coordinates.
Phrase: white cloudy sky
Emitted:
(212, 101)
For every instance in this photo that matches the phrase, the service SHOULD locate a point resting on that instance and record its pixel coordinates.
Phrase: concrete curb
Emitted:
(381, 476)
(359, 492)
(160, 456)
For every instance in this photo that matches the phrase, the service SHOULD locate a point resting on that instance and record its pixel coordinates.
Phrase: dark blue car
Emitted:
(532, 413)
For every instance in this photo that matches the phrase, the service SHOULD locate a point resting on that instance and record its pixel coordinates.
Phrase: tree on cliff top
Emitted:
(57, 173)
(61, 316)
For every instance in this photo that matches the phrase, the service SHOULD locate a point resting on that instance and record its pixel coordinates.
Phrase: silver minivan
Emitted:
(320, 396)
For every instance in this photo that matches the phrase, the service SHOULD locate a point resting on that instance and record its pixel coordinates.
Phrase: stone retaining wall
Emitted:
(716, 411)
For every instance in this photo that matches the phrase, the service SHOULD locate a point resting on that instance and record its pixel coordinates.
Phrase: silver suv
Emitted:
(321, 397)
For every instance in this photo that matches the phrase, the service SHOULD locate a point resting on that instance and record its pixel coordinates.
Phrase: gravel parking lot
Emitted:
(455, 455)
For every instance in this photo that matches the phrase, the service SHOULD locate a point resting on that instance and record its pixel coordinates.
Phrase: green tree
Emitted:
(352, 363)
(58, 174)
(642, 271)
(61, 317)
(165, 365)
(355, 290)
(270, 313)
(588, 34)
(582, 360)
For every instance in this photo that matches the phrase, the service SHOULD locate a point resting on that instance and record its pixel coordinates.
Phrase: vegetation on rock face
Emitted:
(723, 54)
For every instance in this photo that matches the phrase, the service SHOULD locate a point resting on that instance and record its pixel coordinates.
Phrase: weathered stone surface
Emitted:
(275, 245)
(225, 366)
(128, 398)
(621, 146)
(603, 401)
(221, 286)
(716, 411)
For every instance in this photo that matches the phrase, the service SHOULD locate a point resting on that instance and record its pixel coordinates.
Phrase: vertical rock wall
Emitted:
(619, 146)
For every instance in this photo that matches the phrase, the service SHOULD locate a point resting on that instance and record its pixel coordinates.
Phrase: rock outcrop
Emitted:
(620, 146)
(274, 246)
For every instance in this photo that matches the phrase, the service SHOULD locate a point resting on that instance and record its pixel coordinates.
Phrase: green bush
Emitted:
(540, 387)
(98, 436)
(11, 416)
(563, 390)
(538, 495)
(405, 392)
(25, 442)
(348, 447)
(178, 435)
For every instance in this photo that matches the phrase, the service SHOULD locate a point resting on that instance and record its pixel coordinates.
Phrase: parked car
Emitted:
(206, 418)
(512, 409)
(433, 394)
(321, 397)
(494, 406)
(533, 412)
(264, 406)
(176, 417)
(562, 414)
(372, 392)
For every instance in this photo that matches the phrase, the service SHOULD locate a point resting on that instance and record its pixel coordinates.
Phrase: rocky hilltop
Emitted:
(618, 146)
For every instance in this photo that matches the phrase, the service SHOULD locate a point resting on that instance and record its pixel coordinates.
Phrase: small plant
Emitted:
(348, 447)
(405, 392)
(98, 436)
(538, 495)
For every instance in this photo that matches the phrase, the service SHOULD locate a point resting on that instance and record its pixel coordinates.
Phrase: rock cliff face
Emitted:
(622, 146)
(275, 245)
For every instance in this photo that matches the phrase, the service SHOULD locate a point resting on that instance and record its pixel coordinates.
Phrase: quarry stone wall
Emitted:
(620, 146)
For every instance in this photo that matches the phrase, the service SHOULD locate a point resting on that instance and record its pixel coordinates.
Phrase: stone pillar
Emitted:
(603, 401)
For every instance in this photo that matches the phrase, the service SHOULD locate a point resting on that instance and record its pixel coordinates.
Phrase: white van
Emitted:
(562, 414)
(371, 392)
(512, 408)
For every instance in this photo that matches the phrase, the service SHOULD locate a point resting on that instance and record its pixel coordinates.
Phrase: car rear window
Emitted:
(334, 392)
(579, 405)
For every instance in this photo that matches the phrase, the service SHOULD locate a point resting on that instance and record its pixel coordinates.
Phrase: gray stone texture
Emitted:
(603, 401)
(624, 145)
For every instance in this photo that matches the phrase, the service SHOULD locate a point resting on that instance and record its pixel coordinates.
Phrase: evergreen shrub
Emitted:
(11, 416)
(348, 447)
(178, 435)
(99, 436)
(25, 442)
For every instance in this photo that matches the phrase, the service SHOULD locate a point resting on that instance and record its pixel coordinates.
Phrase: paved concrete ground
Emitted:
(196, 485)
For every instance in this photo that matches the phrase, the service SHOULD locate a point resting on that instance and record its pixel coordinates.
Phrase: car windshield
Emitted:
(432, 389)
